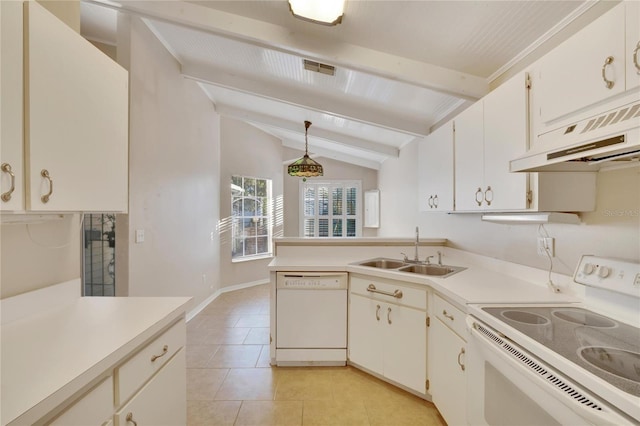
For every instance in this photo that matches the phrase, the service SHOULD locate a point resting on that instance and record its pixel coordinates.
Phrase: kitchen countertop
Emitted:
(478, 283)
(50, 354)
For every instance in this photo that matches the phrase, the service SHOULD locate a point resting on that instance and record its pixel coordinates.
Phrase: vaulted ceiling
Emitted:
(401, 67)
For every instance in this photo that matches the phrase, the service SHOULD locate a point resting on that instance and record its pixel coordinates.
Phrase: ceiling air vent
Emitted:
(318, 67)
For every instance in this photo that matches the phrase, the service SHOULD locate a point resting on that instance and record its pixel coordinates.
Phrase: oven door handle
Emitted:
(564, 390)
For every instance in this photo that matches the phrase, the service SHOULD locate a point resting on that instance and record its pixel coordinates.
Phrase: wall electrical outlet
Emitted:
(546, 244)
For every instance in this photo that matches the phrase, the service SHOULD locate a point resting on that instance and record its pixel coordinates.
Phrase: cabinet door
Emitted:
(435, 168)
(94, 408)
(76, 120)
(633, 44)
(404, 345)
(571, 75)
(505, 138)
(469, 158)
(163, 400)
(365, 317)
(446, 376)
(11, 137)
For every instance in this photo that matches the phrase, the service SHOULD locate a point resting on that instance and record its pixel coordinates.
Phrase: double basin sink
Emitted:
(429, 269)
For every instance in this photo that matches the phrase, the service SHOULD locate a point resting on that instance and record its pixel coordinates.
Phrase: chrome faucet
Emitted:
(417, 260)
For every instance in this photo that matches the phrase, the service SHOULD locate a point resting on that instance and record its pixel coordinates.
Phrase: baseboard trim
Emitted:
(195, 311)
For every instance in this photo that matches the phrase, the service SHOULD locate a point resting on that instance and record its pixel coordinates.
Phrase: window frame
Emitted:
(235, 197)
(331, 183)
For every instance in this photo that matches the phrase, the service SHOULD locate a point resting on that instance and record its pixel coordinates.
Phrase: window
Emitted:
(251, 217)
(330, 209)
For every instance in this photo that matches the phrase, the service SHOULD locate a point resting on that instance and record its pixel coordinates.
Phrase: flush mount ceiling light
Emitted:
(325, 12)
(305, 167)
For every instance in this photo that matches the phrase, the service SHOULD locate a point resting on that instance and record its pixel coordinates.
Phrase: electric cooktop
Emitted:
(605, 347)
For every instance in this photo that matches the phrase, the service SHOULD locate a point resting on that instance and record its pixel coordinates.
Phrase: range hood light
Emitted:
(533, 218)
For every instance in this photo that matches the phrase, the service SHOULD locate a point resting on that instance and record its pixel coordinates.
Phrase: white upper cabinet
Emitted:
(487, 135)
(435, 157)
(587, 68)
(469, 158)
(75, 140)
(11, 106)
(632, 44)
(506, 131)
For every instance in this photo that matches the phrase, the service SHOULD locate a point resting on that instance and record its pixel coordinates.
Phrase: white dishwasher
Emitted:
(311, 318)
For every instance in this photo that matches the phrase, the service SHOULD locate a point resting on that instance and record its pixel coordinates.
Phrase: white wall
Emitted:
(613, 230)
(332, 170)
(173, 182)
(246, 151)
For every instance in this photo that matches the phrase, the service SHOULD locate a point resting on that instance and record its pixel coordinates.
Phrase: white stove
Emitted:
(574, 363)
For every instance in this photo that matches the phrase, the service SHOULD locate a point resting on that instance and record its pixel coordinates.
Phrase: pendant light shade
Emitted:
(305, 167)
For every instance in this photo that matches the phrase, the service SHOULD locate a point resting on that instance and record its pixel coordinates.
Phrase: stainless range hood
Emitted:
(588, 143)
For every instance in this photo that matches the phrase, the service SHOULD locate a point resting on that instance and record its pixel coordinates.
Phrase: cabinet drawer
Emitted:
(449, 315)
(93, 408)
(162, 401)
(138, 369)
(413, 297)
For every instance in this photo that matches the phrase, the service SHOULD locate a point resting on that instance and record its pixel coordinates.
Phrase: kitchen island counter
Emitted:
(54, 347)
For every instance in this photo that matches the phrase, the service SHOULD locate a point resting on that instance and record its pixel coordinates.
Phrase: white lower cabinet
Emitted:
(94, 408)
(162, 401)
(447, 353)
(388, 334)
(148, 387)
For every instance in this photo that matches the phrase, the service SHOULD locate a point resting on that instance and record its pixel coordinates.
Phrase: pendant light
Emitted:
(305, 167)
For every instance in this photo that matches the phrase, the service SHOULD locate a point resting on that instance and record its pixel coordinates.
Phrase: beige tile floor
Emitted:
(230, 381)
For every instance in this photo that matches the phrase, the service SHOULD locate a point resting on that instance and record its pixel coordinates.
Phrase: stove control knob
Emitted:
(588, 268)
(604, 271)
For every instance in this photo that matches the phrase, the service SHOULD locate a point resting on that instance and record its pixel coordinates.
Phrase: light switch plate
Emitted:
(139, 236)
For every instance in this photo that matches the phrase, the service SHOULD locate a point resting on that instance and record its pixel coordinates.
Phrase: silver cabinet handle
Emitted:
(430, 201)
(129, 419)
(459, 356)
(378, 312)
(45, 174)
(448, 315)
(396, 293)
(635, 58)
(487, 192)
(435, 201)
(608, 83)
(479, 200)
(165, 349)
(389, 315)
(6, 168)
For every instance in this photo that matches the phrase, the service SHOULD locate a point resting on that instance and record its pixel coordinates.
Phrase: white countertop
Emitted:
(50, 355)
(493, 282)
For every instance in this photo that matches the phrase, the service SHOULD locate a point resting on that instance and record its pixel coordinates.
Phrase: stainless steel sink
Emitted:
(442, 271)
(382, 263)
